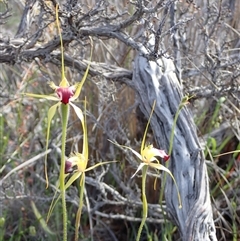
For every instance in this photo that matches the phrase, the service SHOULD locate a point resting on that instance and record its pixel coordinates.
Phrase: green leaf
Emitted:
(80, 84)
(40, 219)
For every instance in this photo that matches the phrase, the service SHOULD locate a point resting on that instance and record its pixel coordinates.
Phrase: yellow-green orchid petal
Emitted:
(72, 179)
(85, 136)
(146, 129)
(52, 85)
(160, 167)
(163, 168)
(64, 82)
(129, 148)
(82, 162)
(98, 164)
(53, 203)
(48, 97)
(153, 159)
(149, 152)
(51, 113)
(73, 160)
(78, 88)
(136, 154)
(78, 112)
(79, 85)
(142, 164)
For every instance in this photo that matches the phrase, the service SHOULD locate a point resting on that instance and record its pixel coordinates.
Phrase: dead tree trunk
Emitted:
(158, 81)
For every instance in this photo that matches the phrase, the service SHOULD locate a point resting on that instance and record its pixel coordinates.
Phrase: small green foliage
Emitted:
(3, 136)
(65, 95)
(21, 142)
(41, 220)
(2, 222)
(2, 227)
(32, 231)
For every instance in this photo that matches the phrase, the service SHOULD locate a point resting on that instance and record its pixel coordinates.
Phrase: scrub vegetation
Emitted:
(95, 148)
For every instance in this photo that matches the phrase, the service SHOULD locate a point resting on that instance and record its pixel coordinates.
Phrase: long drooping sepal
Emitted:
(79, 113)
(163, 168)
(64, 81)
(51, 113)
(47, 97)
(129, 148)
(72, 179)
(80, 84)
(85, 133)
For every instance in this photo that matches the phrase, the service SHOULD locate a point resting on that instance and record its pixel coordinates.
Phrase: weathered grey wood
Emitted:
(158, 81)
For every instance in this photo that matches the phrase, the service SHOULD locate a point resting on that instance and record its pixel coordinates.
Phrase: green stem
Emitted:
(173, 128)
(183, 102)
(65, 113)
(144, 201)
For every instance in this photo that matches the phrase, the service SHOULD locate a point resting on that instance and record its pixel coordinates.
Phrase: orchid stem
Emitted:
(65, 113)
(144, 202)
(183, 101)
(80, 206)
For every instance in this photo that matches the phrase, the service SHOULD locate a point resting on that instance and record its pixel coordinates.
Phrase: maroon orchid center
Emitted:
(65, 93)
(164, 155)
(166, 158)
(68, 167)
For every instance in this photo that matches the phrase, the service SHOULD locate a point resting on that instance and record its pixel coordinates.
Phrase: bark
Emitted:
(158, 81)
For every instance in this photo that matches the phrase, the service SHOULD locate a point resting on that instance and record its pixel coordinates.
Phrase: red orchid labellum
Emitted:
(65, 94)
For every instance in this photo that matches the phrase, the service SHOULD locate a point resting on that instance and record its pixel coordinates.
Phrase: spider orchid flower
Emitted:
(148, 157)
(76, 167)
(80, 161)
(64, 94)
(148, 153)
(77, 162)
